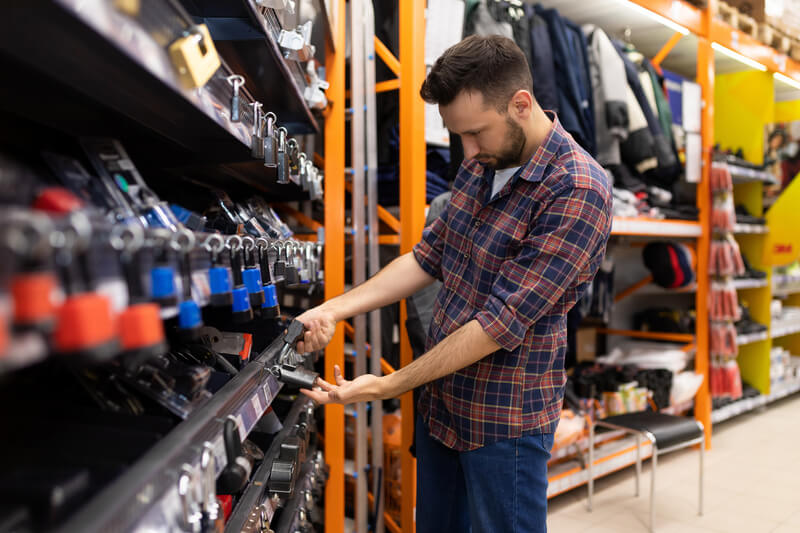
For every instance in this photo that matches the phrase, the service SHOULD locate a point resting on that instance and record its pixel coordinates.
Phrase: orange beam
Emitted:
(386, 55)
(747, 46)
(386, 86)
(412, 210)
(655, 335)
(334, 265)
(307, 221)
(666, 49)
(705, 77)
(644, 282)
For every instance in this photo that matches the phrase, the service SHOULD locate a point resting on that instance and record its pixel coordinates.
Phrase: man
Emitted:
(522, 237)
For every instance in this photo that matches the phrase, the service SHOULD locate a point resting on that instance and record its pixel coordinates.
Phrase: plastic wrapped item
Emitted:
(723, 339)
(569, 430)
(725, 378)
(684, 386)
(725, 257)
(723, 213)
(720, 179)
(724, 305)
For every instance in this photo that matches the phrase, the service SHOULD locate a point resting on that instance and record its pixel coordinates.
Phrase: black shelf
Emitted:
(249, 44)
(109, 63)
(145, 496)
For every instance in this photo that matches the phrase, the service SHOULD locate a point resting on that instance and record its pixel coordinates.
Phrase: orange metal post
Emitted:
(334, 267)
(386, 55)
(388, 85)
(705, 77)
(412, 206)
(666, 49)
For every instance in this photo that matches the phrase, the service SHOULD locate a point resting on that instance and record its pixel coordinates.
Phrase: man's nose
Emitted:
(470, 148)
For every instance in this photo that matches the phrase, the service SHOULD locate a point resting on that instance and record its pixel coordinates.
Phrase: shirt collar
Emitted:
(533, 170)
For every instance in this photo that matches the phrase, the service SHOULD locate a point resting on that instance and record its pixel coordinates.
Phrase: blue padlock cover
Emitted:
(219, 280)
(162, 281)
(252, 279)
(271, 296)
(189, 316)
(241, 300)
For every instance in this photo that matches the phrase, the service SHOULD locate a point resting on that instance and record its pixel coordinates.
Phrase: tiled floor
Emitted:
(752, 484)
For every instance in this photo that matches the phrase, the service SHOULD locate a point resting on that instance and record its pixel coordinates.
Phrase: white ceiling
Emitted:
(650, 36)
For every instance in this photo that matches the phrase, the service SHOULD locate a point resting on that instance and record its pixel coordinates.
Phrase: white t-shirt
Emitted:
(501, 177)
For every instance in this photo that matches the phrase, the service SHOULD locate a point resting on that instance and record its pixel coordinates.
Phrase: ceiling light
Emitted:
(791, 82)
(658, 18)
(738, 57)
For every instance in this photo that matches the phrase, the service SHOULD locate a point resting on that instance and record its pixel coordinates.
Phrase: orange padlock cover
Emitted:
(32, 294)
(140, 326)
(84, 321)
(57, 200)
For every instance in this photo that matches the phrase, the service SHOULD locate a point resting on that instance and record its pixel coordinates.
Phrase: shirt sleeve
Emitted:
(566, 237)
(428, 251)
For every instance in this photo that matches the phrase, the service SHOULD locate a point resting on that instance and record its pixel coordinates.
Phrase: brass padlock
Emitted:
(129, 7)
(195, 57)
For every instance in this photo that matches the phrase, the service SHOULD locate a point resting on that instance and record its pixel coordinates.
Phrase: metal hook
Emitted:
(234, 242)
(127, 238)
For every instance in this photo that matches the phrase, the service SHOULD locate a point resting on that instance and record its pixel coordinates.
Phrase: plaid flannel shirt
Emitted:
(516, 263)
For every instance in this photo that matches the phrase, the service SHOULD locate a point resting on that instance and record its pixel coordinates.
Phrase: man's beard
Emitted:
(512, 152)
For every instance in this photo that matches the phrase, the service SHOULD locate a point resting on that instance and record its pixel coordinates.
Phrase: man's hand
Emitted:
(362, 389)
(320, 327)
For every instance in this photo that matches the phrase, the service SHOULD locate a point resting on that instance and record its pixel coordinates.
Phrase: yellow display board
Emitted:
(744, 102)
(783, 219)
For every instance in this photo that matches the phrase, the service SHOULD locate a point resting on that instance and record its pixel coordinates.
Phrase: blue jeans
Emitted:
(501, 487)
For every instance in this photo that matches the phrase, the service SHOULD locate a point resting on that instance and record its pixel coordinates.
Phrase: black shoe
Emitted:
(743, 216)
(746, 325)
(750, 272)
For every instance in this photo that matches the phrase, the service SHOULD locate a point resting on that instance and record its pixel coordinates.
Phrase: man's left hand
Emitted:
(362, 389)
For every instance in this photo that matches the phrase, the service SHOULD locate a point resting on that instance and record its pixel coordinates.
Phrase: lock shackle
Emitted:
(27, 234)
(233, 242)
(78, 232)
(249, 244)
(128, 239)
(258, 124)
(235, 79)
(214, 244)
(183, 241)
(234, 245)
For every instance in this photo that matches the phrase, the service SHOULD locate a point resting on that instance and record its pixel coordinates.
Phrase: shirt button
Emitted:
(476, 224)
(466, 255)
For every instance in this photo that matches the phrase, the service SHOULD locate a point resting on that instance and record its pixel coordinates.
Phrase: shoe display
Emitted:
(743, 216)
(750, 272)
(746, 324)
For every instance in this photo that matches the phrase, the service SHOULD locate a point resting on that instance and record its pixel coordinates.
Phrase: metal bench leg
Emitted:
(590, 482)
(702, 458)
(638, 461)
(653, 490)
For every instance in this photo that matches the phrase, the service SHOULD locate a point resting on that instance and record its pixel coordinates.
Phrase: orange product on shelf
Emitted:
(140, 326)
(85, 324)
(32, 295)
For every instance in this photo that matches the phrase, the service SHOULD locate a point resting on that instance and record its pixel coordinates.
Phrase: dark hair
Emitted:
(493, 66)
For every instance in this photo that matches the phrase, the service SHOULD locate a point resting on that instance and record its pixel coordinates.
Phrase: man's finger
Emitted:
(324, 385)
(337, 374)
(321, 397)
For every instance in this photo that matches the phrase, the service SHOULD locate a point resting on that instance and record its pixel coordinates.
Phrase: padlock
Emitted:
(242, 311)
(270, 140)
(293, 152)
(279, 268)
(283, 157)
(195, 58)
(257, 138)
(290, 274)
(190, 319)
(236, 473)
(236, 82)
(129, 7)
(26, 236)
(219, 278)
(213, 519)
(162, 279)
(190, 506)
(252, 274)
(270, 308)
(302, 176)
(85, 327)
(140, 327)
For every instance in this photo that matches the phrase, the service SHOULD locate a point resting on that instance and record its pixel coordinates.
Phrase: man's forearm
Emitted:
(397, 280)
(466, 345)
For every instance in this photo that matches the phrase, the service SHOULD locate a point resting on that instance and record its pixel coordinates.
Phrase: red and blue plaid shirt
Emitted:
(516, 263)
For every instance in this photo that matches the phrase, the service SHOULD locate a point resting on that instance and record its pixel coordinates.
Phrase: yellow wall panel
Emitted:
(787, 111)
(743, 105)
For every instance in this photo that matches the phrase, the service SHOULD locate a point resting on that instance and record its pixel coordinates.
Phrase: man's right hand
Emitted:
(320, 327)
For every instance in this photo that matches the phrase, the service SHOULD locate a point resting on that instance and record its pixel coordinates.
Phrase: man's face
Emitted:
(491, 137)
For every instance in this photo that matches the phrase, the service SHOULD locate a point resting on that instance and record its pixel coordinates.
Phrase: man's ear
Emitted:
(521, 104)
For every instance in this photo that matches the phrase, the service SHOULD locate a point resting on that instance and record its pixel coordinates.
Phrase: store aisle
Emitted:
(752, 484)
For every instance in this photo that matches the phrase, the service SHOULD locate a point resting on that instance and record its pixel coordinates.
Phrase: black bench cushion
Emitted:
(669, 430)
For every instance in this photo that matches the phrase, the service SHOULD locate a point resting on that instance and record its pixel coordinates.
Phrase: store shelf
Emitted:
(254, 493)
(782, 328)
(750, 338)
(750, 228)
(609, 458)
(146, 497)
(246, 35)
(745, 45)
(647, 227)
(116, 68)
(785, 284)
(779, 390)
(741, 174)
(754, 283)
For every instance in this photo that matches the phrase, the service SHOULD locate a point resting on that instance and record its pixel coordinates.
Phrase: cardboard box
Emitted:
(586, 344)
